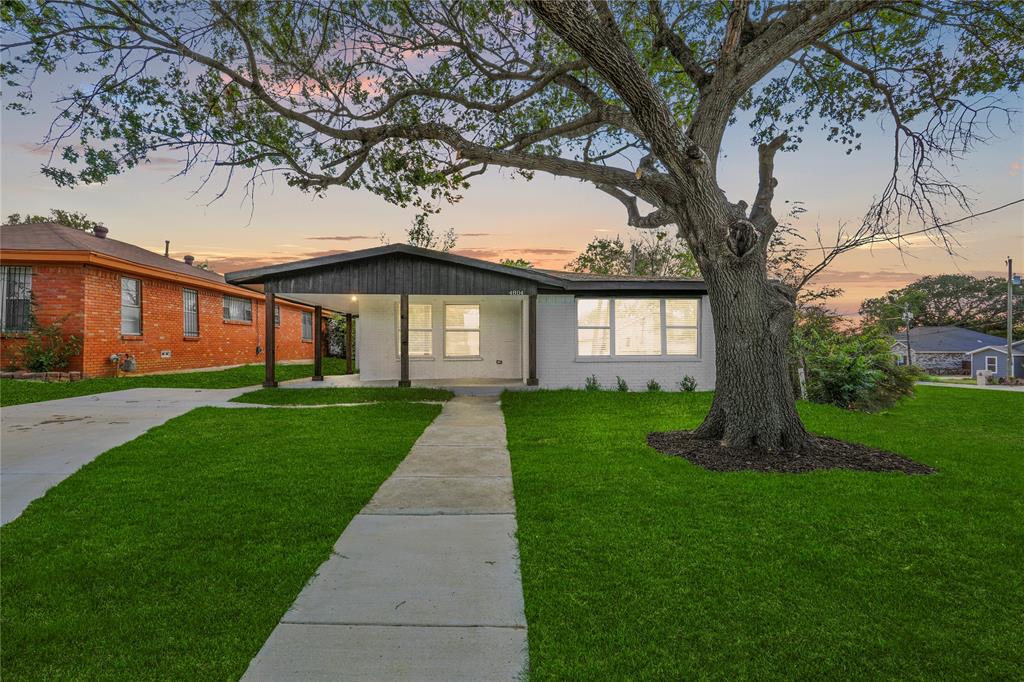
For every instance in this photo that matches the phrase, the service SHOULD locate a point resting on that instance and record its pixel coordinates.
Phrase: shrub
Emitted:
(46, 348)
(591, 383)
(653, 386)
(621, 385)
(688, 384)
(856, 371)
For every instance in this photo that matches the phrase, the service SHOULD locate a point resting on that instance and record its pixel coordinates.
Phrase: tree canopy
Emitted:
(977, 303)
(75, 219)
(657, 254)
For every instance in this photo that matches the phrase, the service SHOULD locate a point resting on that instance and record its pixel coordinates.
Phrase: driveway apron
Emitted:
(44, 443)
(424, 583)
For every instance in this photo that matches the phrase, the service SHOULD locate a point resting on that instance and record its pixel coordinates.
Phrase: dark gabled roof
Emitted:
(545, 279)
(947, 339)
(55, 237)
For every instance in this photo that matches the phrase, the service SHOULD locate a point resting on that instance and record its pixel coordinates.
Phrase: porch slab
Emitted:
(442, 495)
(418, 570)
(447, 462)
(401, 654)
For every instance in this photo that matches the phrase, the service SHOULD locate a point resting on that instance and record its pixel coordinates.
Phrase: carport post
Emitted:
(348, 343)
(404, 344)
(318, 343)
(531, 379)
(270, 352)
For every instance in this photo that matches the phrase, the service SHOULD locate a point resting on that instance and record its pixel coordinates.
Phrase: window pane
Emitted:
(420, 316)
(190, 306)
(638, 326)
(131, 320)
(680, 312)
(462, 344)
(307, 326)
(277, 316)
(681, 341)
(462, 317)
(129, 292)
(593, 312)
(16, 295)
(237, 309)
(420, 344)
(594, 341)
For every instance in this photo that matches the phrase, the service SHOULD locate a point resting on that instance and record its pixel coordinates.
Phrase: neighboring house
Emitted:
(122, 299)
(941, 350)
(472, 320)
(993, 359)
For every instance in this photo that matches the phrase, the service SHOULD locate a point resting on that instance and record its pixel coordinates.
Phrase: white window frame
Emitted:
(610, 326)
(479, 337)
(665, 326)
(138, 294)
(185, 313)
(428, 330)
(994, 362)
(277, 314)
(613, 355)
(23, 275)
(247, 308)
(307, 320)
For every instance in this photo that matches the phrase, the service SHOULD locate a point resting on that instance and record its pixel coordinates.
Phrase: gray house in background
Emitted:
(944, 350)
(993, 359)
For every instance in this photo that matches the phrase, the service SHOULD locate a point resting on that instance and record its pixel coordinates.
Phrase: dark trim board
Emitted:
(403, 269)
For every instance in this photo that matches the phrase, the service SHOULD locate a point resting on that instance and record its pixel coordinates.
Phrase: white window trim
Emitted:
(138, 292)
(610, 327)
(306, 315)
(4, 295)
(479, 335)
(184, 313)
(995, 364)
(613, 357)
(232, 319)
(398, 333)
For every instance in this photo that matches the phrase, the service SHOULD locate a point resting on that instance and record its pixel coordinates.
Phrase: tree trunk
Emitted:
(754, 405)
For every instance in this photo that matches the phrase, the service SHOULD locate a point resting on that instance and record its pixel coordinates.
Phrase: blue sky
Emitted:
(546, 221)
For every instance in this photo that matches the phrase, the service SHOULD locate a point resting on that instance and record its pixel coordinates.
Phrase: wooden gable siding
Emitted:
(399, 274)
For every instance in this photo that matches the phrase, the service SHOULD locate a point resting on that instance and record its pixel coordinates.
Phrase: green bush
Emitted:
(856, 371)
(653, 386)
(688, 384)
(591, 383)
(46, 347)
(621, 385)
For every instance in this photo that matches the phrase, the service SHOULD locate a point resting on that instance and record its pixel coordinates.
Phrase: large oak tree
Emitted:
(410, 100)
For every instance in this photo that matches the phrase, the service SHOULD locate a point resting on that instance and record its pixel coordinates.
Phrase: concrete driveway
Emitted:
(44, 443)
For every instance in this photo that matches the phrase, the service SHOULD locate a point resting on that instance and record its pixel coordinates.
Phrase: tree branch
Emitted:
(666, 38)
(656, 218)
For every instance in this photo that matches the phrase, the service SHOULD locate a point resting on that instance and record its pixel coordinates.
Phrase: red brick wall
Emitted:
(57, 292)
(59, 289)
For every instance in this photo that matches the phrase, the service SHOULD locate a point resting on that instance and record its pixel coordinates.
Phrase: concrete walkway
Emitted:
(424, 582)
(946, 384)
(44, 443)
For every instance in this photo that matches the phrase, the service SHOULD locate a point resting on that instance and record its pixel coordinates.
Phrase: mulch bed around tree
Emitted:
(830, 454)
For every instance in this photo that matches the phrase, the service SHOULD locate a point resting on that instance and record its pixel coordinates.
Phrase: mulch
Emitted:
(830, 454)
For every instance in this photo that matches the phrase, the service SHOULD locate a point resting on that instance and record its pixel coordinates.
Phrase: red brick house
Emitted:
(121, 299)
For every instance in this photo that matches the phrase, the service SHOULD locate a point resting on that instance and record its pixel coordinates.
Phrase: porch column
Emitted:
(348, 343)
(404, 343)
(269, 340)
(532, 331)
(318, 343)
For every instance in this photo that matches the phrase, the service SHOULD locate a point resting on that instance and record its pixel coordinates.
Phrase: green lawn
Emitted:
(331, 396)
(640, 566)
(16, 392)
(174, 555)
(949, 379)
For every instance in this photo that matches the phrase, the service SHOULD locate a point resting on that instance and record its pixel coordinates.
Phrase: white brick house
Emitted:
(467, 320)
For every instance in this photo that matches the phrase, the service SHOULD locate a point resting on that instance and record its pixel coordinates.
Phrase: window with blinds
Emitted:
(190, 311)
(277, 315)
(462, 330)
(237, 309)
(131, 306)
(421, 330)
(593, 326)
(16, 294)
(622, 327)
(307, 326)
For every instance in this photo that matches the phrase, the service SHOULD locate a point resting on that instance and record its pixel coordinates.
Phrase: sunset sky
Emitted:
(546, 221)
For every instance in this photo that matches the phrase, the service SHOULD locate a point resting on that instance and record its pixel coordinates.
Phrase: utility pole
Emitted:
(1009, 318)
(907, 319)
